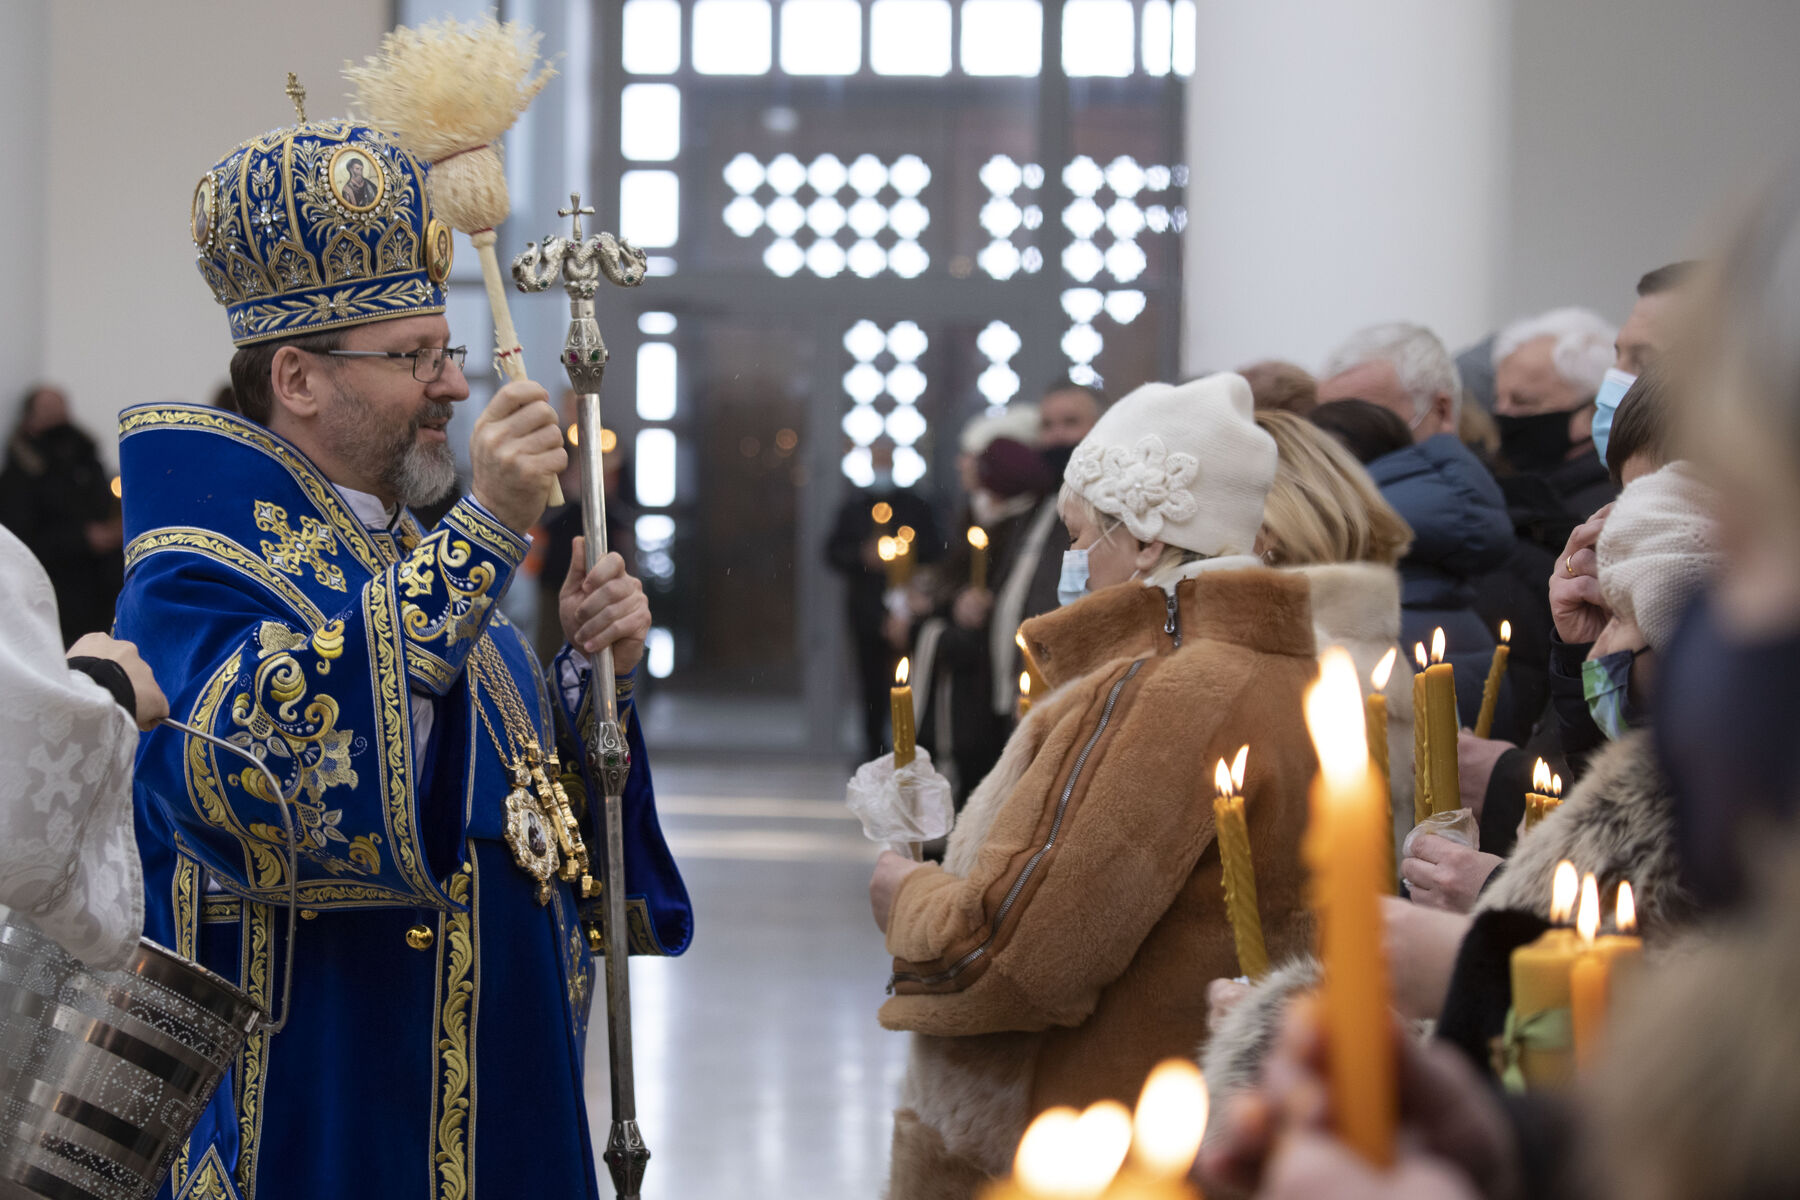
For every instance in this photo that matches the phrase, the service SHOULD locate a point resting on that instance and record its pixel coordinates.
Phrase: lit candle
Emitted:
(1170, 1121)
(888, 550)
(1376, 720)
(1606, 963)
(1537, 800)
(903, 559)
(1490, 692)
(1037, 677)
(1024, 693)
(1239, 874)
(1066, 1155)
(978, 546)
(1344, 851)
(882, 513)
(1440, 714)
(1540, 988)
(1587, 979)
(901, 697)
(1421, 740)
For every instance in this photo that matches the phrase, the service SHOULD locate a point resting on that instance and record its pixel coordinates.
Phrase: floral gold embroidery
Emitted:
(456, 956)
(437, 567)
(293, 551)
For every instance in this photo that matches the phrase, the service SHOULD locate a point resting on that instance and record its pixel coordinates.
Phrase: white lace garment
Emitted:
(68, 855)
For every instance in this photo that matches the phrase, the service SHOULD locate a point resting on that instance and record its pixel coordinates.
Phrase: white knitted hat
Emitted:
(1659, 548)
(1183, 463)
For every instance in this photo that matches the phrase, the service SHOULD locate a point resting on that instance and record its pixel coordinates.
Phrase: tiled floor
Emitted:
(762, 1072)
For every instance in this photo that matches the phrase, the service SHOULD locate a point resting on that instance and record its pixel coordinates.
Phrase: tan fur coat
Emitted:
(1064, 947)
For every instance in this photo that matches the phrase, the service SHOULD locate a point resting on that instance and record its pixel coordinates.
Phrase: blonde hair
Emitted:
(1323, 507)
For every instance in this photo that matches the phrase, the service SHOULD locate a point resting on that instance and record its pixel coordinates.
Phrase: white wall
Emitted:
(1345, 167)
(143, 98)
(24, 192)
(1634, 126)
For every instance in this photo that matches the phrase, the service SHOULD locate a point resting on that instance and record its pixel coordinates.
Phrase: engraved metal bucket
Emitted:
(103, 1074)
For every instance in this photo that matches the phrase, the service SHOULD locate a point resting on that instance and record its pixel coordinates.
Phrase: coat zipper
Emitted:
(1062, 805)
(1172, 626)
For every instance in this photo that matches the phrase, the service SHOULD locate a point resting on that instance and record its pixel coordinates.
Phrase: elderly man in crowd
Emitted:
(1460, 526)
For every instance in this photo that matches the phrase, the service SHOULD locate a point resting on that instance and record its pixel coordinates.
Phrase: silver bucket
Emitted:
(104, 1074)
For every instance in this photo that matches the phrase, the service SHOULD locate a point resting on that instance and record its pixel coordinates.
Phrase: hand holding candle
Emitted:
(1490, 692)
(1239, 874)
(978, 548)
(1345, 852)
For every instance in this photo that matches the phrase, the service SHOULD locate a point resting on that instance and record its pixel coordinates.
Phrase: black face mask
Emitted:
(1725, 735)
(1057, 459)
(1534, 445)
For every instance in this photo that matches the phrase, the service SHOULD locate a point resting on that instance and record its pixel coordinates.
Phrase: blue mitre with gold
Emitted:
(318, 225)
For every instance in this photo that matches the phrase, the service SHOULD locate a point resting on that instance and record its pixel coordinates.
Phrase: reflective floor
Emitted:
(762, 1072)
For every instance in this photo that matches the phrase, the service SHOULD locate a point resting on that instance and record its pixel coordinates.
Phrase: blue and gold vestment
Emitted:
(439, 1020)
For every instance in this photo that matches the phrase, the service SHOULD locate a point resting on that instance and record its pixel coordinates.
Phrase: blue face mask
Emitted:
(1073, 584)
(1606, 683)
(1606, 403)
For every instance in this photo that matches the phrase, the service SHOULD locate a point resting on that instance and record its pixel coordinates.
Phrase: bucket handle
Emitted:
(293, 855)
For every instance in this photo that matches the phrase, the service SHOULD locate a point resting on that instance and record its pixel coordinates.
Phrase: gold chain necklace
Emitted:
(537, 850)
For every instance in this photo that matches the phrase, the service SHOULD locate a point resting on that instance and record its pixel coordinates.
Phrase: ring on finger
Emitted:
(1569, 564)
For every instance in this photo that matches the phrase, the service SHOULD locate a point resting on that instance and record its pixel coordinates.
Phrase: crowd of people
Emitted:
(1616, 503)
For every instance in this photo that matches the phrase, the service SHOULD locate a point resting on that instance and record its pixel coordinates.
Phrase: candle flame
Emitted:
(116, 488)
(905, 535)
(1625, 916)
(1024, 683)
(1419, 654)
(1384, 668)
(1505, 632)
(1437, 644)
(1540, 778)
(978, 537)
(1070, 1156)
(1222, 779)
(1587, 917)
(1237, 767)
(1019, 640)
(574, 434)
(1171, 1119)
(1563, 887)
(1556, 786)
(903, 671)
(902, 547)
(1334, 717)
(882, 513)
(885, 548)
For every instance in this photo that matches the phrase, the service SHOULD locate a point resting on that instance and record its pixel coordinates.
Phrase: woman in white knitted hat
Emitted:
(1064, 946)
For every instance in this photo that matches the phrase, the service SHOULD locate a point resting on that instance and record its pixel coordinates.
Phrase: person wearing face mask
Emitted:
(1063, 947)
(1442, 491)
(870, 513)
(1641, 342)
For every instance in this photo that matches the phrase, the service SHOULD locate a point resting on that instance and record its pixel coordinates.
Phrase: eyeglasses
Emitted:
(427, 364)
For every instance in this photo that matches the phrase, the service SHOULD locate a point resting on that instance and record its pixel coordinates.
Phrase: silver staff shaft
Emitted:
(580, 264)
(626, 1155)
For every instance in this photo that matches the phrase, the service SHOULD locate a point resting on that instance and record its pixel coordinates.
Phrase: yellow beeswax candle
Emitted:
(1239, 874)
(901, 700)
(1440, 715)
(888, 550)
(1376, 715)
(1024, 693)
(1166, 1131)
(978, 548)
(1490, 692)
(1587, 979)
(1540, 986)
(1421, 740)
(1345, 855)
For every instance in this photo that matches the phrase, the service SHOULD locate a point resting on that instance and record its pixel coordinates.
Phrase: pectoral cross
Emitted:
(577, 211)
(297, 94)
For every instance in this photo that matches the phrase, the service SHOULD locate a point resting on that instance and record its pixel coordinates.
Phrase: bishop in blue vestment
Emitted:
(445, 966)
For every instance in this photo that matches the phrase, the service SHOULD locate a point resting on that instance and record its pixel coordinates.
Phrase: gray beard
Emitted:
(414, 474)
